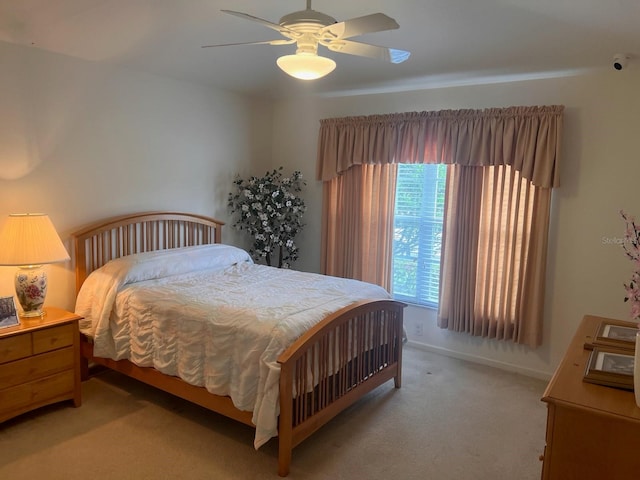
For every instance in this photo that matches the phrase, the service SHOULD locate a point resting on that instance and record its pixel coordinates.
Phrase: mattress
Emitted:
(212, 317)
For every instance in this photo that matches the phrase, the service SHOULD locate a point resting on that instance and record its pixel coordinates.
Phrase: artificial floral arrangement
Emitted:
(631, 246)
(270, 209)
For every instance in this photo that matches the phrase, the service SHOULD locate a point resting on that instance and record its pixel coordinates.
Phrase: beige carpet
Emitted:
(450, 420)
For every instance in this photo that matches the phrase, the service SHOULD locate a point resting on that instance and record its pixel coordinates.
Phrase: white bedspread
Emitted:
(212, 317)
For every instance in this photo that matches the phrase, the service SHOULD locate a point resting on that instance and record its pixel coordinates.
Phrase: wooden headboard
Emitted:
(96, 244)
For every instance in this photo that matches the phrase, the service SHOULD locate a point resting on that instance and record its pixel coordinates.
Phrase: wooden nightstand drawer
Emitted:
(37, 393)
(35, 367)
(12, 348)
(40, 363)
(52, 338)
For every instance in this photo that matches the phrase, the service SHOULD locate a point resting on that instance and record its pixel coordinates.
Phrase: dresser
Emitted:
(39, 363)
(593, 431)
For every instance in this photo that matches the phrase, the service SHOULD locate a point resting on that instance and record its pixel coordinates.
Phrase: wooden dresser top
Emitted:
(568, 389)
(53, 316)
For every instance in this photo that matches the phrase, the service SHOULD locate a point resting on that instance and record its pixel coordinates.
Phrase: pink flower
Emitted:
(631, 246)
(32, 291)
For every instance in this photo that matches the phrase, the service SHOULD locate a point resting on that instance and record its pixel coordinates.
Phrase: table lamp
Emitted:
(28, 241)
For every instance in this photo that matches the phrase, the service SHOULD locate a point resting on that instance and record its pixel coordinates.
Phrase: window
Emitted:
(417, 238)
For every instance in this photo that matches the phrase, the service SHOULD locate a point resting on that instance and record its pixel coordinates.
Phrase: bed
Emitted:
(328, 341)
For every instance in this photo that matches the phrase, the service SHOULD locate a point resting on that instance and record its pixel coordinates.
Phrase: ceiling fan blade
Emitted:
(376, 22)
(266, 23)
(266, 42)
(387, 54)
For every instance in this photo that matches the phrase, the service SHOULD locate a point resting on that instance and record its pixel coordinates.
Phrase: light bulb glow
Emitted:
(306, 66)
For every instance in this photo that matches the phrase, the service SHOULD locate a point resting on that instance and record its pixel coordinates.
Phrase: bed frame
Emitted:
(361, 342)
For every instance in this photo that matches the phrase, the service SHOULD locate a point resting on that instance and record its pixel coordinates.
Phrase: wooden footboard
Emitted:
(334, 364)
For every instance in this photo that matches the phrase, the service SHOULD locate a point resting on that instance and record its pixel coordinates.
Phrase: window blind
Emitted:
(417, 239)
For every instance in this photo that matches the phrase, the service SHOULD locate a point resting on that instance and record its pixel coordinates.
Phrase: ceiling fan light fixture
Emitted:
(306, 66)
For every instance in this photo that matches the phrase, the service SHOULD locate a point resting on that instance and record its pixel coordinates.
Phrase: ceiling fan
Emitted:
(308, 29)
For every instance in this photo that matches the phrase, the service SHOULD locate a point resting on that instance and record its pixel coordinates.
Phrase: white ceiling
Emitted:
(451, 41)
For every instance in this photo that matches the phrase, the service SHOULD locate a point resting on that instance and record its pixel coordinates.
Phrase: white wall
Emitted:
(600, 168)
(82, 141)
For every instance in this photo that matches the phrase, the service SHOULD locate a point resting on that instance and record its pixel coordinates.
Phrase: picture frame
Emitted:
(8, 312)
(616, 334)
(610, 367)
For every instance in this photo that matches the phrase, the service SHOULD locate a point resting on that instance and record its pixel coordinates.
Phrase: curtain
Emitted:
(493, 262)
(357, 224)
(526, 138)
(503, 165)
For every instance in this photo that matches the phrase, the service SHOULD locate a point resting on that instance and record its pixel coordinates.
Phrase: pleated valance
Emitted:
(525, 138)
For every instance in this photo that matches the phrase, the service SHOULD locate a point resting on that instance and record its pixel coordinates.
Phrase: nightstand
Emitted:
(39, 363)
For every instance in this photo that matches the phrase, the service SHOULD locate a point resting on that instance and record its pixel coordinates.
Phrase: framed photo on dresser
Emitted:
(610, 367)
(616, 334)
(8, 312)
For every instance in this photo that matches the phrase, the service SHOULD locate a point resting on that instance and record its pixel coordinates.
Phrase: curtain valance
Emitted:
(525, 138)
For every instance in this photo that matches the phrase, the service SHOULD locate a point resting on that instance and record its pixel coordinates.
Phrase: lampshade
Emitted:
(30, 239)
(306, 66)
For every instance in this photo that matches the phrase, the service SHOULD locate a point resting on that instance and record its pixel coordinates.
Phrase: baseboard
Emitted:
(529, 372)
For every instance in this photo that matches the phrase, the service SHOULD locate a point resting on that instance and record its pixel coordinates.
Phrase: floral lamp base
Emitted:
(31, 289)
